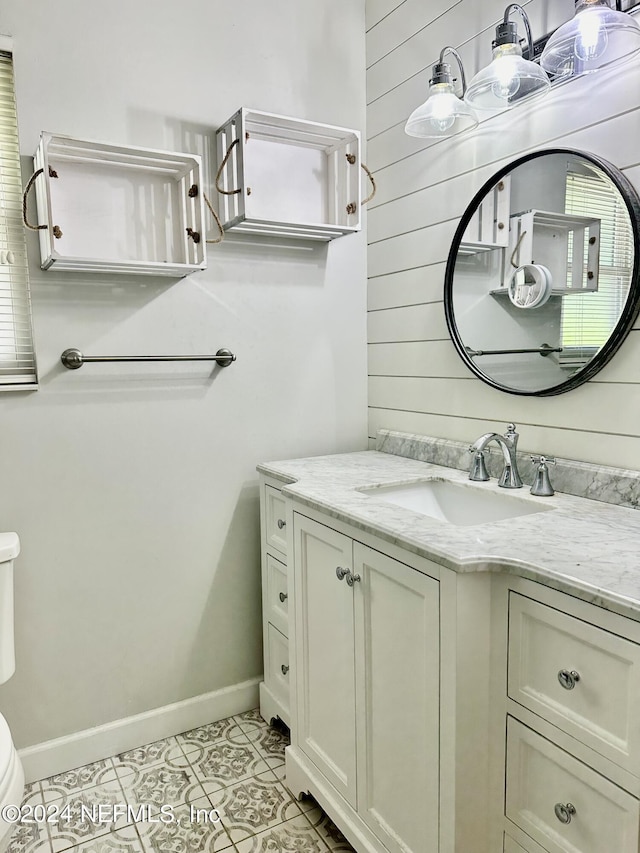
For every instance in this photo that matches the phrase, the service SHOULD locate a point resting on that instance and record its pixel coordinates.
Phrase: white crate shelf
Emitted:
(489, 226)
(294, 178)
(568, 244)
(120, 209)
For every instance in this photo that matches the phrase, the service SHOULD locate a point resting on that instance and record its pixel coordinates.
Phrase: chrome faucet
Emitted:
(510, 477)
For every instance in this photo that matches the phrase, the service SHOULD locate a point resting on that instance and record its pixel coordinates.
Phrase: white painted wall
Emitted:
(133, 487)
(417, 381)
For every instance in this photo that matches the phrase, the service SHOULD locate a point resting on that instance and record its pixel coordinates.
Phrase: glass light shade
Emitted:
(598, 36)
(442, 114)
(508, 80)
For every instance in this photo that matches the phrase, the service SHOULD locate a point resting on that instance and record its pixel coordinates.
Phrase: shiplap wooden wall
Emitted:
(417, 382)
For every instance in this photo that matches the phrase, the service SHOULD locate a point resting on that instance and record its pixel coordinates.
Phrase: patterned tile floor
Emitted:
(234, 766)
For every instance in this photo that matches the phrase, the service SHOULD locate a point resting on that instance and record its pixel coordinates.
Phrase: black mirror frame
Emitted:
(632, 305)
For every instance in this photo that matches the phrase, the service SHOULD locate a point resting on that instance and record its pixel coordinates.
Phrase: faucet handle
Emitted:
(511, 429)
(478, 469)
(541, 483)
(542, 460)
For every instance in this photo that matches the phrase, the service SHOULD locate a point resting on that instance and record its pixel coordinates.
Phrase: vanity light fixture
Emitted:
(596, 37)
(510, 79)
(443, 113)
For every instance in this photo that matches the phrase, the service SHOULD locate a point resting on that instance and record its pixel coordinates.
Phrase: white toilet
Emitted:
(11, 772)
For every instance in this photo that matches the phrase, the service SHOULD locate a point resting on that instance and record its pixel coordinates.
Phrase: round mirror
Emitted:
(542, 282)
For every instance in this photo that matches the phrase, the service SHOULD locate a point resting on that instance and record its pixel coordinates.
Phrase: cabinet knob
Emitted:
(341, 573)
(564, 813)
(568, 679)
(285, 670)
(281, 523)
(283, 597)
(352, 579)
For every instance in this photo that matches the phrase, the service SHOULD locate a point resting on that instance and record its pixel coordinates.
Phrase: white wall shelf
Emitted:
(287, 177)
(119, 209)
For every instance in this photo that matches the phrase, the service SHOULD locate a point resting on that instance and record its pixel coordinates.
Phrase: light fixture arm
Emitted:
(442, 71)
(507, 27)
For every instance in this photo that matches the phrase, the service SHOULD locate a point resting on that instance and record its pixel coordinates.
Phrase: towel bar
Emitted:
(72, 358)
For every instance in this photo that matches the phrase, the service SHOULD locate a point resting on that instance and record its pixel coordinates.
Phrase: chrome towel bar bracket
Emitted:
(72, 358)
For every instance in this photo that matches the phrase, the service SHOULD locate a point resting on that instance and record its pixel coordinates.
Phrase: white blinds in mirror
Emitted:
(17, 356)
(587, 319)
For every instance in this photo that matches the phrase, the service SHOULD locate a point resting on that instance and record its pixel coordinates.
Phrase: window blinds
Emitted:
(17, 356)
(587, 319)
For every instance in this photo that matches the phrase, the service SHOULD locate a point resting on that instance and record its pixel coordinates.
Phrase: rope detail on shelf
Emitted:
(374, 188)
(221, 169)
(217, 219)
(352, 207)
(517, 248)
(57, 233)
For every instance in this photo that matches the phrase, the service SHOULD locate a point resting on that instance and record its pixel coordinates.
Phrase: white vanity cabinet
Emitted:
(367, 674)
(572, 725)
(274, 690)
(438, 709)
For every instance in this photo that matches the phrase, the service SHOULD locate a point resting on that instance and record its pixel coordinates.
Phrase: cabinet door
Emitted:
(325, 678)
(397, 696)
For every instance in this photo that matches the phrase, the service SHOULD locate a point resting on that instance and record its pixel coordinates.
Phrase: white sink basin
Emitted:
(456, 503)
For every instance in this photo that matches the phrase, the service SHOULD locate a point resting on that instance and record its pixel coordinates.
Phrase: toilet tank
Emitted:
(9, 549)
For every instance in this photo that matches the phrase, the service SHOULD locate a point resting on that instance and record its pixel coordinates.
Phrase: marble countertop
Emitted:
(583, 547)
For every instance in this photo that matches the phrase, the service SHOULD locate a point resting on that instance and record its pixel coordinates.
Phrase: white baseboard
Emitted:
(65, 753)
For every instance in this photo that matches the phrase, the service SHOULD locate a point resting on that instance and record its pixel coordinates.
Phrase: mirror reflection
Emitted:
(539, 280)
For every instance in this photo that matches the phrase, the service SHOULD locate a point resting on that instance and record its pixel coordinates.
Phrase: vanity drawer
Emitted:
(544, 785)
(277, 664)
(275, 519)
(601, 707)
(276, 606)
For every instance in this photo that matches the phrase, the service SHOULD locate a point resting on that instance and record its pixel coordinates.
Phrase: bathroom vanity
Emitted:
(459, 663)
(453, 686)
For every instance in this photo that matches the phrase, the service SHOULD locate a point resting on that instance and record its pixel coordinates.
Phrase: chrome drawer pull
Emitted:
(283, 597)
(281, 523)
(352, 579)
(564, 813)
(285, 670)
(568, 679)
